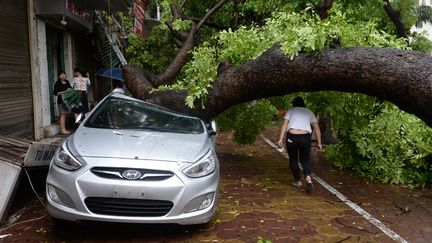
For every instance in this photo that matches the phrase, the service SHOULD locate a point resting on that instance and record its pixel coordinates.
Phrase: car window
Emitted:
(118, 113)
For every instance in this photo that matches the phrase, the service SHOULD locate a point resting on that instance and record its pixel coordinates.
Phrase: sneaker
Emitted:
(297, 185)
(309, 187)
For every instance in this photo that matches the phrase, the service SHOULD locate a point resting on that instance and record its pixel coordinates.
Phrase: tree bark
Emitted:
(401, 77)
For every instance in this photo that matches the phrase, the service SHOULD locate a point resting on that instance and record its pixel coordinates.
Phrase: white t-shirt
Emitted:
(80, 84)
(118, 90)
(300, 118)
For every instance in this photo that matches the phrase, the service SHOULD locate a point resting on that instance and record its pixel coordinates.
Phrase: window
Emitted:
(419, 25)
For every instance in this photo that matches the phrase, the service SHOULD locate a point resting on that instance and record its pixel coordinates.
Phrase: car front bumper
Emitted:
(185, 193)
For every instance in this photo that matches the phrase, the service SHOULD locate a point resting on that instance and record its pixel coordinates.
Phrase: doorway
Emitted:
(55, 59)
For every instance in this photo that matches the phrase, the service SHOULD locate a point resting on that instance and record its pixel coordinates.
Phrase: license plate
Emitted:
(119, 192)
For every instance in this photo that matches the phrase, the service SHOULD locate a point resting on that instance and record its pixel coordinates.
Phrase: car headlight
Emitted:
(203, 167)
(63, 159)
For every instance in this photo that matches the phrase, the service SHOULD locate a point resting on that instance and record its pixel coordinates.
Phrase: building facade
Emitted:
(423, 27)
(39, 38)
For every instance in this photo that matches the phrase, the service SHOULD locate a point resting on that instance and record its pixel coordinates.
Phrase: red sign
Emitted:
(139, 8)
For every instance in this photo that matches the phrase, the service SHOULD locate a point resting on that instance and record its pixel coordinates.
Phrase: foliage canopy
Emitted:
(376, 138)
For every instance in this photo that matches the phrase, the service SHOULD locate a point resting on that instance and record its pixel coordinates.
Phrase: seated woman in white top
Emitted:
(298, 129)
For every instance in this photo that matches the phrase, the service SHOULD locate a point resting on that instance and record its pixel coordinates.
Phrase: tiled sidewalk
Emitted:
(257, 201)
(406, 211)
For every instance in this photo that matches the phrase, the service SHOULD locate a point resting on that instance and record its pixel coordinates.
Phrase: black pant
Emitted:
(84, 108)
(84, 102)
(298, 147)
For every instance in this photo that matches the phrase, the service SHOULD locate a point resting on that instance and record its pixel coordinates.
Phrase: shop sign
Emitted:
(139, 8)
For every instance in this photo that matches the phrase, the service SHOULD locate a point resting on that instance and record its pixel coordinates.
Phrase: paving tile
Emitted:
(229, 234)
(328, 230)
(290, 214)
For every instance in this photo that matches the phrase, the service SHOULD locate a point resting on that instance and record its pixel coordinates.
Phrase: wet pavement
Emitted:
(256, 202)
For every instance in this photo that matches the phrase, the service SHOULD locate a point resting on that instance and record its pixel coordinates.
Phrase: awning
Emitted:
(113, 73)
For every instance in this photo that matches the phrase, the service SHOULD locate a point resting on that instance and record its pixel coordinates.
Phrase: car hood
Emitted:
(142, 145)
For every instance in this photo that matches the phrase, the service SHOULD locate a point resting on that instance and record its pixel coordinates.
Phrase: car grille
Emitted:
(119, 173)
(128, 207)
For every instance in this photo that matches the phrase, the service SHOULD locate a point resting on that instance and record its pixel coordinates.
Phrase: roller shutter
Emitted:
(16, 110)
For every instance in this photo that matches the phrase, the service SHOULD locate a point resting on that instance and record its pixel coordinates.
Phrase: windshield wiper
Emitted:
(101, 126)
(161, 129)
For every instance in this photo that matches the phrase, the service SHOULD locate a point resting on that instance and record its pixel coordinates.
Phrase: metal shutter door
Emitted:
(16, 109)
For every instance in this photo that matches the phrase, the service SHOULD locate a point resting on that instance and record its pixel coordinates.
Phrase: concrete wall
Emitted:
(39, 68)
(68, 57)
(38, 132)
(45, 110)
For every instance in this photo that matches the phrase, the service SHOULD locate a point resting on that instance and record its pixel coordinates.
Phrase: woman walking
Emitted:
(297, 126)
(61, 85)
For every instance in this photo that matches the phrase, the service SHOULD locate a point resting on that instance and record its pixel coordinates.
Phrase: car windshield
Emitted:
(119, 113)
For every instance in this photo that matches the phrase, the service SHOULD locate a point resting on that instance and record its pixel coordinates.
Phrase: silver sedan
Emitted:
(131, 161)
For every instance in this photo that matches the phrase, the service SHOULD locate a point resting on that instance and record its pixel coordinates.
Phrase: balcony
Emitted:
(76, 15)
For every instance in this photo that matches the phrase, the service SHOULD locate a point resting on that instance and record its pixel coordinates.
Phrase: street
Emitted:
(257, 202)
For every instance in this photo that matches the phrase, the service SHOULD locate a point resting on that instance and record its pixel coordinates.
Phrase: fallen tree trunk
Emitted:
(401, 77)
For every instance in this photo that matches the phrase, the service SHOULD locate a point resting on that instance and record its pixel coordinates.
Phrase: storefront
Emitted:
(62, 40)
(39, 38)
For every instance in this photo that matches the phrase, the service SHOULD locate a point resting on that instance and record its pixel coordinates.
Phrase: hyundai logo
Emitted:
(131, 174)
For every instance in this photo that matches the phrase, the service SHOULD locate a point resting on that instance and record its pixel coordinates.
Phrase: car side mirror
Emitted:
(212, 130)
(213, 125)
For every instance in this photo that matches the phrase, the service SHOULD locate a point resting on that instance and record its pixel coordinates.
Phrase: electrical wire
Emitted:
(31, 184)
(40, 200)
(22, 222)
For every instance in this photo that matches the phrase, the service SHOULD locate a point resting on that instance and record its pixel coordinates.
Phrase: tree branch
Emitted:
(323, 8)
(178, 43)
(175, 12)
(181, 36)
(177, 15)
(178, 62)
(180, 59)
(137, 78)
(207, 23)
(182, 5)
(373, 71)
(395, 18)
(210, 12)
